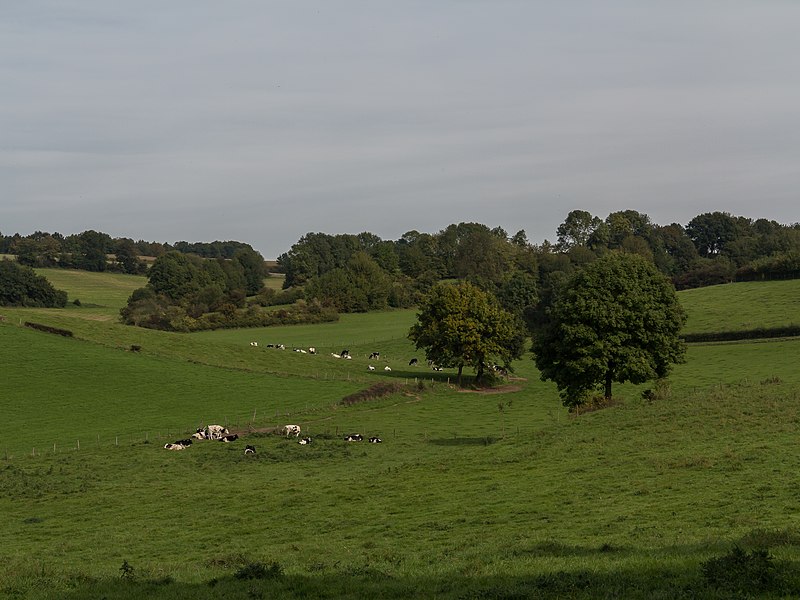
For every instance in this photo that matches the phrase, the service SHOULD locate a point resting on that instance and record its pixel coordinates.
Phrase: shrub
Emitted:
(258, 570)
(739, 571)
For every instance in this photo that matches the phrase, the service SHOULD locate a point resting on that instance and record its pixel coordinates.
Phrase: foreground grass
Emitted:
(627, 502)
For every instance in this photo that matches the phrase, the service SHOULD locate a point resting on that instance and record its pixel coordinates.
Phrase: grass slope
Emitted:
(470, 495)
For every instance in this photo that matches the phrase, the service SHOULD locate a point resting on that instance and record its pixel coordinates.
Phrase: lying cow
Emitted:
(249, 449)
(186, 442)
(353, 437)
(375, 440)
(387, 368)
(304, 441)
(413, 362)
(230, 438)
(291, 430)
(174, 446)
(375, 356)
(312, 350)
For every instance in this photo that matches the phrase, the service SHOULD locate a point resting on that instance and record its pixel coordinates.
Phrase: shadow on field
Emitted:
(465, 441)
(645, 583)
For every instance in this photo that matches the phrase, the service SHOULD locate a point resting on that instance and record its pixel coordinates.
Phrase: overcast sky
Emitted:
(260, 121)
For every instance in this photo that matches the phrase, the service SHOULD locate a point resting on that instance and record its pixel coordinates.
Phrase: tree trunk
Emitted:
(460, 368)
(608, 385)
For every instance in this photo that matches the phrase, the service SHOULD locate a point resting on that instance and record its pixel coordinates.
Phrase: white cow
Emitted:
(387, 368)
(371, 368)
(254, 343)
(291, 429)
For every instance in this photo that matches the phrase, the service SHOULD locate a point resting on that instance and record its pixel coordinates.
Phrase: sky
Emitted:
(263, 120)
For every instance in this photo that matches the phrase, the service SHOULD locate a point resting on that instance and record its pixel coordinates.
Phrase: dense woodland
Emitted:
(218, 284)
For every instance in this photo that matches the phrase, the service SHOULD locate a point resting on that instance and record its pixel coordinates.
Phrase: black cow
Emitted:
(413, 362)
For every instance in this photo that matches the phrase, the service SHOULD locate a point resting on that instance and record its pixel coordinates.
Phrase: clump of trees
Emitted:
(21, 286)
(188, 293)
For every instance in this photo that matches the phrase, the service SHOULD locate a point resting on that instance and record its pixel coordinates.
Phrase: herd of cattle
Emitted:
(218, 432)
(345, 354)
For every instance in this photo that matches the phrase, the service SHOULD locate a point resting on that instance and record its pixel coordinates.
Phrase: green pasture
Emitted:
(742, 306)
(471, 495)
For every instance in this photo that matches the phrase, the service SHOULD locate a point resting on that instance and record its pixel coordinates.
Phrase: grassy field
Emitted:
(471, 495)
(742, 306)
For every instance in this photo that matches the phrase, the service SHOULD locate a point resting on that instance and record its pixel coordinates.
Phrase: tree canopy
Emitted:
(460, 325)
(21, 286)
(615, 320)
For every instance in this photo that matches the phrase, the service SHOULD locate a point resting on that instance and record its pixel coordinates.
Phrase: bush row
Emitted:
(749, 334)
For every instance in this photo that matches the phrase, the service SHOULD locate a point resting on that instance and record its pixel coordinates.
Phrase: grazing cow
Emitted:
(387, 368)
(312, 350)
(174, 446)
(345, 353)
(230, 438)
(370, 367)
(249, 449)
(375, 440)
(254, 344)
(413, 362)
(304, 441)
(334, 355)
(375, 356)
(353, 437)
(291, 429)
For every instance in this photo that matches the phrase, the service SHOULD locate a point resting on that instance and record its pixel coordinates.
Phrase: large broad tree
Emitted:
(616, 320)
(460, 325)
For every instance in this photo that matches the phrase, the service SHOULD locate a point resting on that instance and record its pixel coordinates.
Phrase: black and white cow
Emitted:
(291, 430)
(344, 353)
(210, 432)
(370, 368)
(254, 344)
(387, 368)
(186, 442)
(353, 437)
(304, 441)
(249, 449)
(230, 438)
(174, 446)
(375, 356)
(312, 350)
(413, 362)
(375, 440)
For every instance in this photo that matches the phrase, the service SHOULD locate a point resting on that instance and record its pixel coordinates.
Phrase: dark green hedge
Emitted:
(749, 334)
